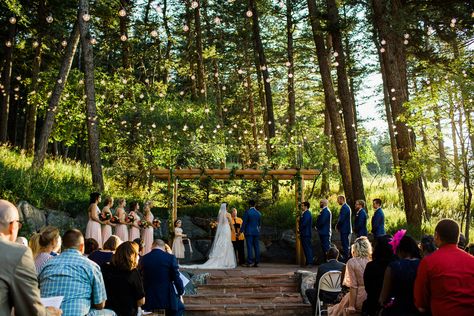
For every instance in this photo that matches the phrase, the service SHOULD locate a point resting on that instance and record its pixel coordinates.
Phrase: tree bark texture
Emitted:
(124, 31)
(454, 137)
(40, 152)
(348, 103)
(395, 70)
(330, 100)
(92, 119)
(201, 77)
(291, 68)
(7, 78)
(325, 189)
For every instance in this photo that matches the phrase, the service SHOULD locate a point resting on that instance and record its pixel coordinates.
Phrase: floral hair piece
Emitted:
(396, 239)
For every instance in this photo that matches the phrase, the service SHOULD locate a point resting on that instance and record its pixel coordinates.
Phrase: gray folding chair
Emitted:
(329, 282)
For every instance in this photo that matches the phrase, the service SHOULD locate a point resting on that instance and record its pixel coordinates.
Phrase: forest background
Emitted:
(376, 94)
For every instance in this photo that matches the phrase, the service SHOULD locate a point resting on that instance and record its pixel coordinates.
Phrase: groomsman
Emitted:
(378, 220)
(305, 227)
(238, 238)
(360, 222)
(251, 228)
(323, 225)
(344, 226)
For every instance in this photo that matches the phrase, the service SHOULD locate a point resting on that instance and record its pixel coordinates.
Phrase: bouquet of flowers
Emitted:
(114, 220)
(144, 224)
(213, 224)
(105, 216)
(130, 218)
(156, 223)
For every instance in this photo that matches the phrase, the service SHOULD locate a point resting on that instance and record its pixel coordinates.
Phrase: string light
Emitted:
(185, 28)
(249, 13)
(154, 33)
(86, 17)
(12, 20)
(64, 43)
(49, 19)
(194, 4)
(123, 38)
(122, 12)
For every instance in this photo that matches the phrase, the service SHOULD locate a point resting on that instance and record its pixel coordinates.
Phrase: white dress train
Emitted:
(222, 255)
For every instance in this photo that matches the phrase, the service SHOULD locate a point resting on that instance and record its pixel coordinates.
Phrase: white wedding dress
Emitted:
(222, 255)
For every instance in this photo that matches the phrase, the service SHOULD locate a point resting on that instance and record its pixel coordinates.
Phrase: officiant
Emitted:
(238, 238)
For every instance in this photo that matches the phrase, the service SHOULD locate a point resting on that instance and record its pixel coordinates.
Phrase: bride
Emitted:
(222, 255)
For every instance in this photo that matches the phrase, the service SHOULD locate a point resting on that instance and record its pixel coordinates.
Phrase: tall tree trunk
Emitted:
(124, 32)
(40, 152)
(168, 41)
(325, 189)
(201, 79)
(32, 107)
(347, 101)
(291, 68)
(454, 137)
(395, 71)
(441, 149)
(92, 119)
(7, 78)
(330, 100)
(190, 50)
(146, 17)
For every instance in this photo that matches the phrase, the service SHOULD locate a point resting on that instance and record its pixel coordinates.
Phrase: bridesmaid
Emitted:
(107, 228)
(134, 231)
(178, 245)
(147, 233)
(93, 229)
(121, 230)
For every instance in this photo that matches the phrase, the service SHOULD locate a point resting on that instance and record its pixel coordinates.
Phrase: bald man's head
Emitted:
(9, 220)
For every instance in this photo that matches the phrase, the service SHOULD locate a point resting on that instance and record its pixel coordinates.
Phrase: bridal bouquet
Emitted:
(115, 220)
(144, 224)
(130, 218)
(213, 224)
(105, 216)
(156, 223)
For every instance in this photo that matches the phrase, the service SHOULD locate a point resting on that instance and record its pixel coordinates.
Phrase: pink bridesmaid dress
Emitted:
(121, 230)
(94, 230)
(147, 235)
(106, 232)
(134, 232)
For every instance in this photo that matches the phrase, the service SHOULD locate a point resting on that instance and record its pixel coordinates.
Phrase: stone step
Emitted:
(244, 298)
(234, 288)
(248, 309)
(266, 278)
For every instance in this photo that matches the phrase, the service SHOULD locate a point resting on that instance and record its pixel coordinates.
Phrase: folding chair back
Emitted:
(329, 282)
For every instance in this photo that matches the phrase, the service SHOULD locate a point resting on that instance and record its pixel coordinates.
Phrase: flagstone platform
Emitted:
(270, 289)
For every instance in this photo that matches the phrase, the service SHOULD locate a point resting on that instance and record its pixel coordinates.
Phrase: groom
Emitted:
(251, 228)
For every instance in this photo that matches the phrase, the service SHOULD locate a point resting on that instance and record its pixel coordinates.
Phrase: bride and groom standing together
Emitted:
(222, 254)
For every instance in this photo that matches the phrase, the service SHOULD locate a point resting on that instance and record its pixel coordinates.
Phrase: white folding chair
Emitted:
(329, 282)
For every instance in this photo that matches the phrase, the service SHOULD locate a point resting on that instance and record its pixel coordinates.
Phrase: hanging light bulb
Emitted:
(185, 28)
(8, 44)
(12, 20)
(383, 42)
(194, 4)
(122, 12)
(35, 44)
(93, 41)
(217, 20)
(86, 17)
(154, 33)
(64, 43)
(49, 19)
(249, 13)
(123, 37)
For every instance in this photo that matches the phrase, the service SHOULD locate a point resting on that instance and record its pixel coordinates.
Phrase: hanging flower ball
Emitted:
(154, 33)
(12, 20)
(123, 37)
(64, 43)
(86, 17)
(290, 75)
(193, 77)
(405, 42)
(122, 12)
(249, 13)
(336, 54)
(49, 19)
(181, 93)
(224, 88)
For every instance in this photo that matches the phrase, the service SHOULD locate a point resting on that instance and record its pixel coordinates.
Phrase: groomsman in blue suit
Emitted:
(360, 222)
(305, 227)
(323, 225)
(378, 220)
(344, 226)
(251, 227)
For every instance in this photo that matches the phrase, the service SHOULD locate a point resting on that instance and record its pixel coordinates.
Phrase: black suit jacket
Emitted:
(160, 277)
(331, 265)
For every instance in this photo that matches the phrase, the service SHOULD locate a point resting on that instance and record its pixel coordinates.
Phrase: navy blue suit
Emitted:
(323, 225)
(306, 224)
(360, 223)
(345, 229)
(160, 278)
(378, 223)
(251, 228)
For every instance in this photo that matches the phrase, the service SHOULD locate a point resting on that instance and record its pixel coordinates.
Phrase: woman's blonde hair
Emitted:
(46, 236)
(362, 248)
(125, 257)
(112, 243)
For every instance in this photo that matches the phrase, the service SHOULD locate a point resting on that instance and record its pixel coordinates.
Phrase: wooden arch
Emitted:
(299, 175)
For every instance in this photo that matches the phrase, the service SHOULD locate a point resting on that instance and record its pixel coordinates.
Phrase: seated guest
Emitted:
(161, 280)
(18, 281)
(427, 245)
(140, 244)
(76, 278)
(470, 249)
(57, 250)
(445, 279)
(42, 244)
(397, 290)
(374, 273)
(331, 265)
(123, 281)
(103, 256)
(90, 245)
(354, 280)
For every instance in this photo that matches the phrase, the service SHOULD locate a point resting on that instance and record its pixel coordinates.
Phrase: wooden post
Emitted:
(175, 199)
(299, 198)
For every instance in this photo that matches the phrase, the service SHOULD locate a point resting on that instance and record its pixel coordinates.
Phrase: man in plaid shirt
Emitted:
(76, 278)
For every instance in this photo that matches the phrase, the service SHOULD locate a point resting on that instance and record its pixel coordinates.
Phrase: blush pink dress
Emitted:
(106, 231)
(147, 235)
(121, 230)
(94, 230)
(134, 232)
